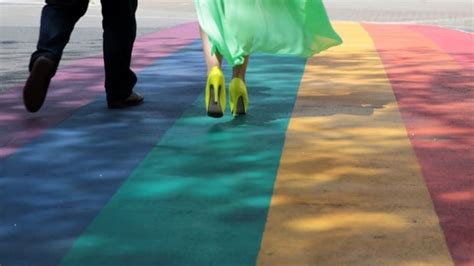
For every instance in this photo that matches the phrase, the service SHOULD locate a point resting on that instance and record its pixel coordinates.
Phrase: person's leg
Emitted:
(212, 60)
(241, 70)
(215, 98)
(120, 28)
(58, 19)
(57, 23)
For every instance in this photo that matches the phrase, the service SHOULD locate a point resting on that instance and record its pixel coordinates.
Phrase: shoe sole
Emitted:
(125, 105)
(36, 87)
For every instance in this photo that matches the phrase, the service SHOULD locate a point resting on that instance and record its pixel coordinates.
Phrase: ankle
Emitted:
(242, 77)
(210, 69)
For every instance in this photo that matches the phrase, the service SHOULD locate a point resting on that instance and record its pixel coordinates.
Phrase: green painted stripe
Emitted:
(202, 195)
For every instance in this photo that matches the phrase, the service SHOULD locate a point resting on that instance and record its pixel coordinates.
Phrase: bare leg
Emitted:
(211, 60)
(240, 70)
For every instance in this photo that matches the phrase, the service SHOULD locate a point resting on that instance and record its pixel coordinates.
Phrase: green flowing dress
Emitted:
(237, 28)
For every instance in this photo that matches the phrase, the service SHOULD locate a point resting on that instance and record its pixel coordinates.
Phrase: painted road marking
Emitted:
(201, 196)
(459, 45)
(435, 93)
(349, 189)
(53, 187)
(76, 86)
(346, 120)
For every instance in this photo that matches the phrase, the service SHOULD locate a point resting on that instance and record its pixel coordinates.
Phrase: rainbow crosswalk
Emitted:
(362, 155)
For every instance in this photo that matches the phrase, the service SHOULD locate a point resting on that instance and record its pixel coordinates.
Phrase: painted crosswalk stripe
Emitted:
(349, 189)
(434, 86)
(53, 187)
(201, 196)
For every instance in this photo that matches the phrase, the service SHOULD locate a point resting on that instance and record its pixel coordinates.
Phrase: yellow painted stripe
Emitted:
(349, 189)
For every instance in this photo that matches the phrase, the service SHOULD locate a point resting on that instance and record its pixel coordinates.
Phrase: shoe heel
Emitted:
(239, 99)
(215, 94)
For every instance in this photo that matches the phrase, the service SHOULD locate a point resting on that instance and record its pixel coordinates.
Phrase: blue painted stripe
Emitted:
(202, 195)
(52, 189)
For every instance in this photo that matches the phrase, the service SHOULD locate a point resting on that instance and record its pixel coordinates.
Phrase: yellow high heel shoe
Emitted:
(215, 93)
(239, 99)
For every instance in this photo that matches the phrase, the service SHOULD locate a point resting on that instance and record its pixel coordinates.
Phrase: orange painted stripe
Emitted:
(349, 189)
(435, 92)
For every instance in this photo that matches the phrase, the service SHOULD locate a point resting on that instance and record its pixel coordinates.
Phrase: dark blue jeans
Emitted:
(57, 23)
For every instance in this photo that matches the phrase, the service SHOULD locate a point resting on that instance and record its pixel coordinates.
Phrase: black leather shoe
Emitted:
(36, 87)
(133, 100)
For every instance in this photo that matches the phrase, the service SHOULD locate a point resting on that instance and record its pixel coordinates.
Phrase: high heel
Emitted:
(215, 93)
(239, 99)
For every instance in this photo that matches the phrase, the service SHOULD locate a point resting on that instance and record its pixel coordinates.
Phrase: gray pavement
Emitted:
(19, 20)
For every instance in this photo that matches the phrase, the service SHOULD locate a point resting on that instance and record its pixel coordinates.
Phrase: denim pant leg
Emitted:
(120, 28)
(57, 23)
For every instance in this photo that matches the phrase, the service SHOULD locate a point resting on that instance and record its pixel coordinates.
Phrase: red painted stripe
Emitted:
(78, 85)
(460, 45)
(435, 96)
